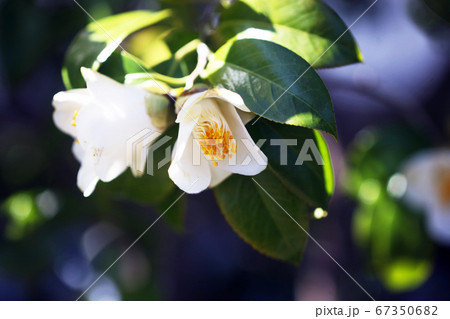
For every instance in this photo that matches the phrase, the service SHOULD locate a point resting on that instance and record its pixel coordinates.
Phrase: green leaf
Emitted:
(327, 165)
(257, 218)
(189, 14)
(149, 45)
(307, 27)
(275, 83)
(131, 64)
(93, 45)
(176, 60)
(308, 179)
(181, 63)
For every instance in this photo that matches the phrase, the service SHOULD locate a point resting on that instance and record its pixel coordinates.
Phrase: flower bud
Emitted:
(159, 109)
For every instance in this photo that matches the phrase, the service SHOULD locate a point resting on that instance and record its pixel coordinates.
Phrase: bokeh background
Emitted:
(54, 242)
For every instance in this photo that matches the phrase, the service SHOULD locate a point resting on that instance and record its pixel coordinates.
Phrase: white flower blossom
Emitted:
(101, 119)
(213, 141)
(428, 188)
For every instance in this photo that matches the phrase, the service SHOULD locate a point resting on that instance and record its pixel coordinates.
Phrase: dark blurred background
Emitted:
(54, 242)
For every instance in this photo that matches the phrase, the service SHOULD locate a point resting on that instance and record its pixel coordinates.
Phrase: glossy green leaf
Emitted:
(93, 45)
(307, 27)
(305, 177)
(274, 83)
(256, 217)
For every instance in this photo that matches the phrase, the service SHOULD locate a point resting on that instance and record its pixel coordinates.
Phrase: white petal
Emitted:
(228, 96)
(184, 134)
(218, 175)
(87, 178)
(78, 151)
(438, 224)
(113, 95)
(236, 100)
(189, 177)
(104, 136)
(245, 116)
(245, 162)
(111, 164)
(66, 104)
(190, 110)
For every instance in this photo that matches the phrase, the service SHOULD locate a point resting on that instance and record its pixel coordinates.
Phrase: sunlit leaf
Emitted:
(274, 83)
(100, 39)
(308, 27)
(149, 45)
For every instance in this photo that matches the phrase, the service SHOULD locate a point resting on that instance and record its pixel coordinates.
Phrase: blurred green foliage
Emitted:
(391, 236)
(23, 214)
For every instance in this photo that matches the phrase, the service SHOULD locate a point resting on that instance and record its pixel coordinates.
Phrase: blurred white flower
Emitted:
(101, 118)
(428, 188)
(212, 141)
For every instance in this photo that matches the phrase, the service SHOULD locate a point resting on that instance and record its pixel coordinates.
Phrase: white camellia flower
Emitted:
(213, 141)
(428, 188)
(102, 118)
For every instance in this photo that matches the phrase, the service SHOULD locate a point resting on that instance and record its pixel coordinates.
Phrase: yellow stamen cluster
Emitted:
(215, 140)
(74, 118)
